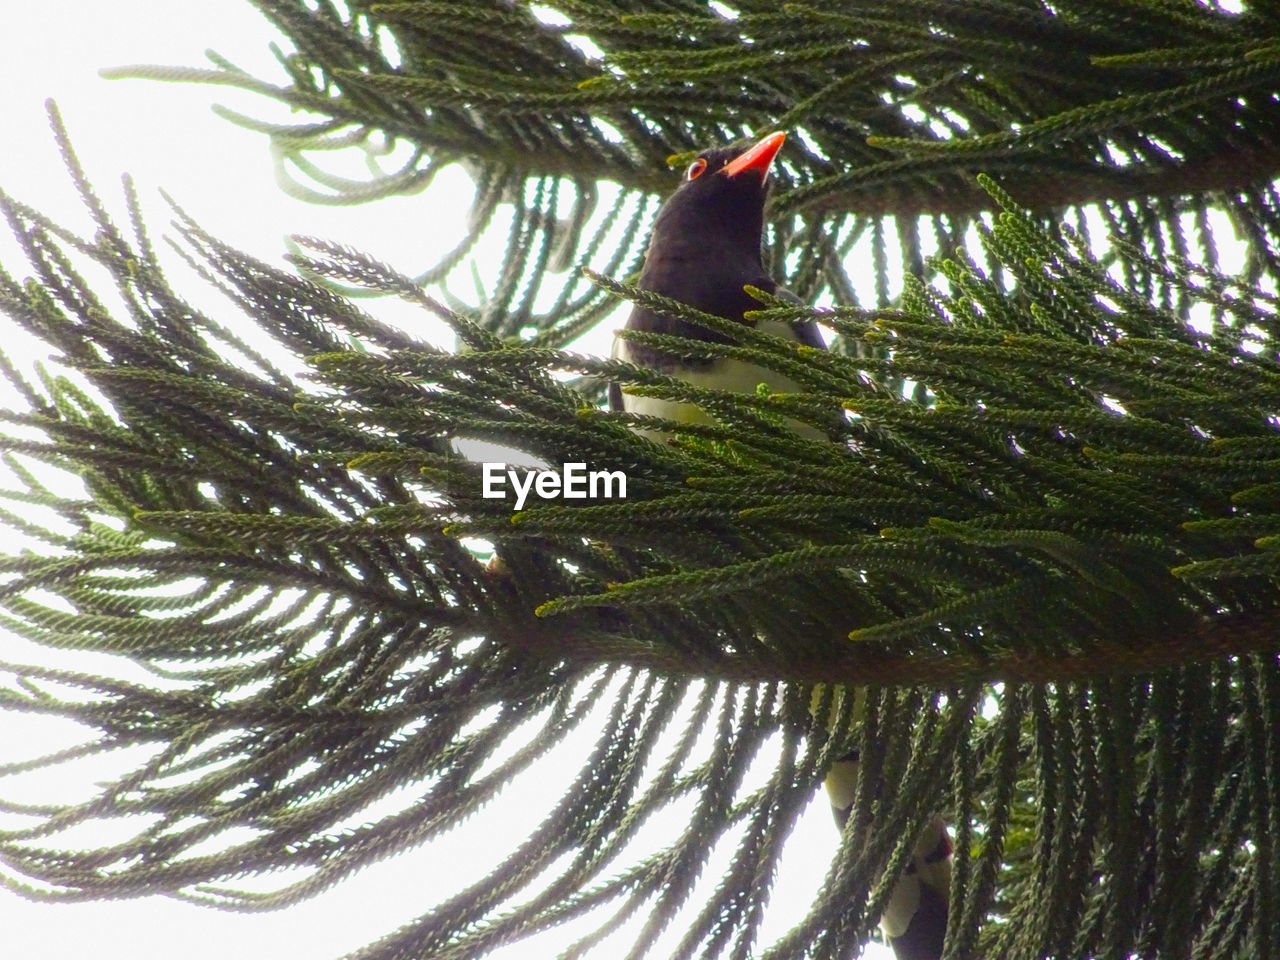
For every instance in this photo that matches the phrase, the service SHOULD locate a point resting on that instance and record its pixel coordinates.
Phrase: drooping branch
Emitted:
(887, 189)
(1210, 639)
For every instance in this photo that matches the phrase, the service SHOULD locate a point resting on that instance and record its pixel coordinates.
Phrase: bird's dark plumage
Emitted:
(704, 249)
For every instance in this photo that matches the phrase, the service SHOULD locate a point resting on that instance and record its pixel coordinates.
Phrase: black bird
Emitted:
(705, 247)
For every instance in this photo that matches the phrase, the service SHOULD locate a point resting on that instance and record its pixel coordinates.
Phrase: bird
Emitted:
(704, 249)
(914, 920)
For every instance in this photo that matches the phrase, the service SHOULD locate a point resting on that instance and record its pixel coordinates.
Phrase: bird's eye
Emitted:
(695, 169)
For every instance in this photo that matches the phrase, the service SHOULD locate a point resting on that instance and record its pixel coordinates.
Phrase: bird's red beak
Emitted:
(758, 159)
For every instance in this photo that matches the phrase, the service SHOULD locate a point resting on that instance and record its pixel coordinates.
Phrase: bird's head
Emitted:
(720, 201)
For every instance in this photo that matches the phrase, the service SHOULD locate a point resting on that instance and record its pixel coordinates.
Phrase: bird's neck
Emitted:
(722, 262)
(724, 238)
(677, 259)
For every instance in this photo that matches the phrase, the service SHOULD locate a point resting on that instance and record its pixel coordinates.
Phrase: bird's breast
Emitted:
(730, 375)
(713, 283)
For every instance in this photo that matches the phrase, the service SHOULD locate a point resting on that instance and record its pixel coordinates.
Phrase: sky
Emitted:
(166, 136)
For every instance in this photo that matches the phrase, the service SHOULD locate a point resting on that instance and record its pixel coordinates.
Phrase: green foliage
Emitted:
(1040, 525)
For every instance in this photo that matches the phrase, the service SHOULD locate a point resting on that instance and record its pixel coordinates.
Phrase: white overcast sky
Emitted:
(166, 136)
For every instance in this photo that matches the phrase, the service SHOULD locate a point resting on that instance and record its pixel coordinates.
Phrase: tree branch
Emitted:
(1210, 639)
(938, 187)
